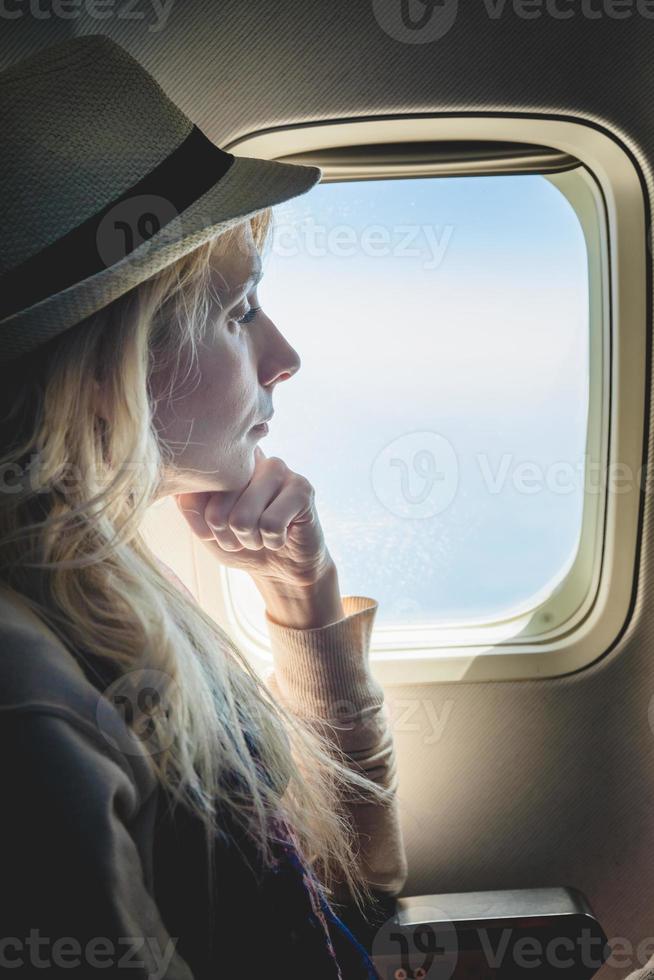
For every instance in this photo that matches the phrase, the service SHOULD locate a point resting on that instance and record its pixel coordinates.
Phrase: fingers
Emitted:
(283, 510)
(238, 525)
(256, 518)
(226, 538)
(193, 507)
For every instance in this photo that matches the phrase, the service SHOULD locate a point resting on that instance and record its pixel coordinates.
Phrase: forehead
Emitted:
(236, 266)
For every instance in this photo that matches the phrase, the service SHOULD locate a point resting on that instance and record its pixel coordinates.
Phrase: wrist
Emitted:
(304, 606)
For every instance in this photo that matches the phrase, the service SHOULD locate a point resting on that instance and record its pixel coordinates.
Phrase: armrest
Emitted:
(492, 935)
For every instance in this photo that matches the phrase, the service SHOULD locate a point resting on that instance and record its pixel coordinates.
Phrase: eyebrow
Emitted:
(233, 298)
(252, 280)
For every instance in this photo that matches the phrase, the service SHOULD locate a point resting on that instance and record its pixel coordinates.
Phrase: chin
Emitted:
(229, 476)
(232, 478)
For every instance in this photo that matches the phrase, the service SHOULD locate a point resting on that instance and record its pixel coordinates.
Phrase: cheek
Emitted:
(225, 392)
(216, 398)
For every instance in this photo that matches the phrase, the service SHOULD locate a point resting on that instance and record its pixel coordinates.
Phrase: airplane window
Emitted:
(442, 403)
(469, 406)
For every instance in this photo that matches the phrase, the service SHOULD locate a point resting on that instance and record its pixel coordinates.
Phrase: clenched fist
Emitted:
(270, 529)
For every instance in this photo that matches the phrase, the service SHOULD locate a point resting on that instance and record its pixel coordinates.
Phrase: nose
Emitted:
(280, 360)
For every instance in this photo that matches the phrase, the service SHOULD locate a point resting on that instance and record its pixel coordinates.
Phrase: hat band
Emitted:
(181, 178)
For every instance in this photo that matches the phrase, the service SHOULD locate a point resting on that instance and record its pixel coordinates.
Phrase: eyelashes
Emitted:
(249, 316)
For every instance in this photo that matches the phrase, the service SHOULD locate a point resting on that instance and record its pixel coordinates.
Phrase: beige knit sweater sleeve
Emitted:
(324, 672)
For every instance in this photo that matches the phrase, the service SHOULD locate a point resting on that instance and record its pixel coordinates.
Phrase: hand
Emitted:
(270, 529)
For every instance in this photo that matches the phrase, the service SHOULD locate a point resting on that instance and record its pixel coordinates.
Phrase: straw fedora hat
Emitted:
(103, 182)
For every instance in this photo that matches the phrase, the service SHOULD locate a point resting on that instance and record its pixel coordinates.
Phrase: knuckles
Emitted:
(266, 527)
(240, 524)
(305, 485)
(276, 464)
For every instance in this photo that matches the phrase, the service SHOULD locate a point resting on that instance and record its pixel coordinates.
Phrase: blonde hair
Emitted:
(73, 550)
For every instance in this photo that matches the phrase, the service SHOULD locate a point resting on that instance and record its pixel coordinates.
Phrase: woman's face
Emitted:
(208, 423)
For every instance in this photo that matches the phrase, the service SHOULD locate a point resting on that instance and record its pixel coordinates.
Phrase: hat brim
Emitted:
(249, 186)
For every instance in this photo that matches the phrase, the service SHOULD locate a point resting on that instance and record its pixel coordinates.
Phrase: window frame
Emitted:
(618, 281)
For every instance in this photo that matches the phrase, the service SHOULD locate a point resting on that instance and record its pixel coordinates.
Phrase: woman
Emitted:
(165, 810)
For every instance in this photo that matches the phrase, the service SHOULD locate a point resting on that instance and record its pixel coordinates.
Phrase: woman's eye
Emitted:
(249, 316)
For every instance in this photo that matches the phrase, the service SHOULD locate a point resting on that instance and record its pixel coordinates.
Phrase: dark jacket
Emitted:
(99, 876)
